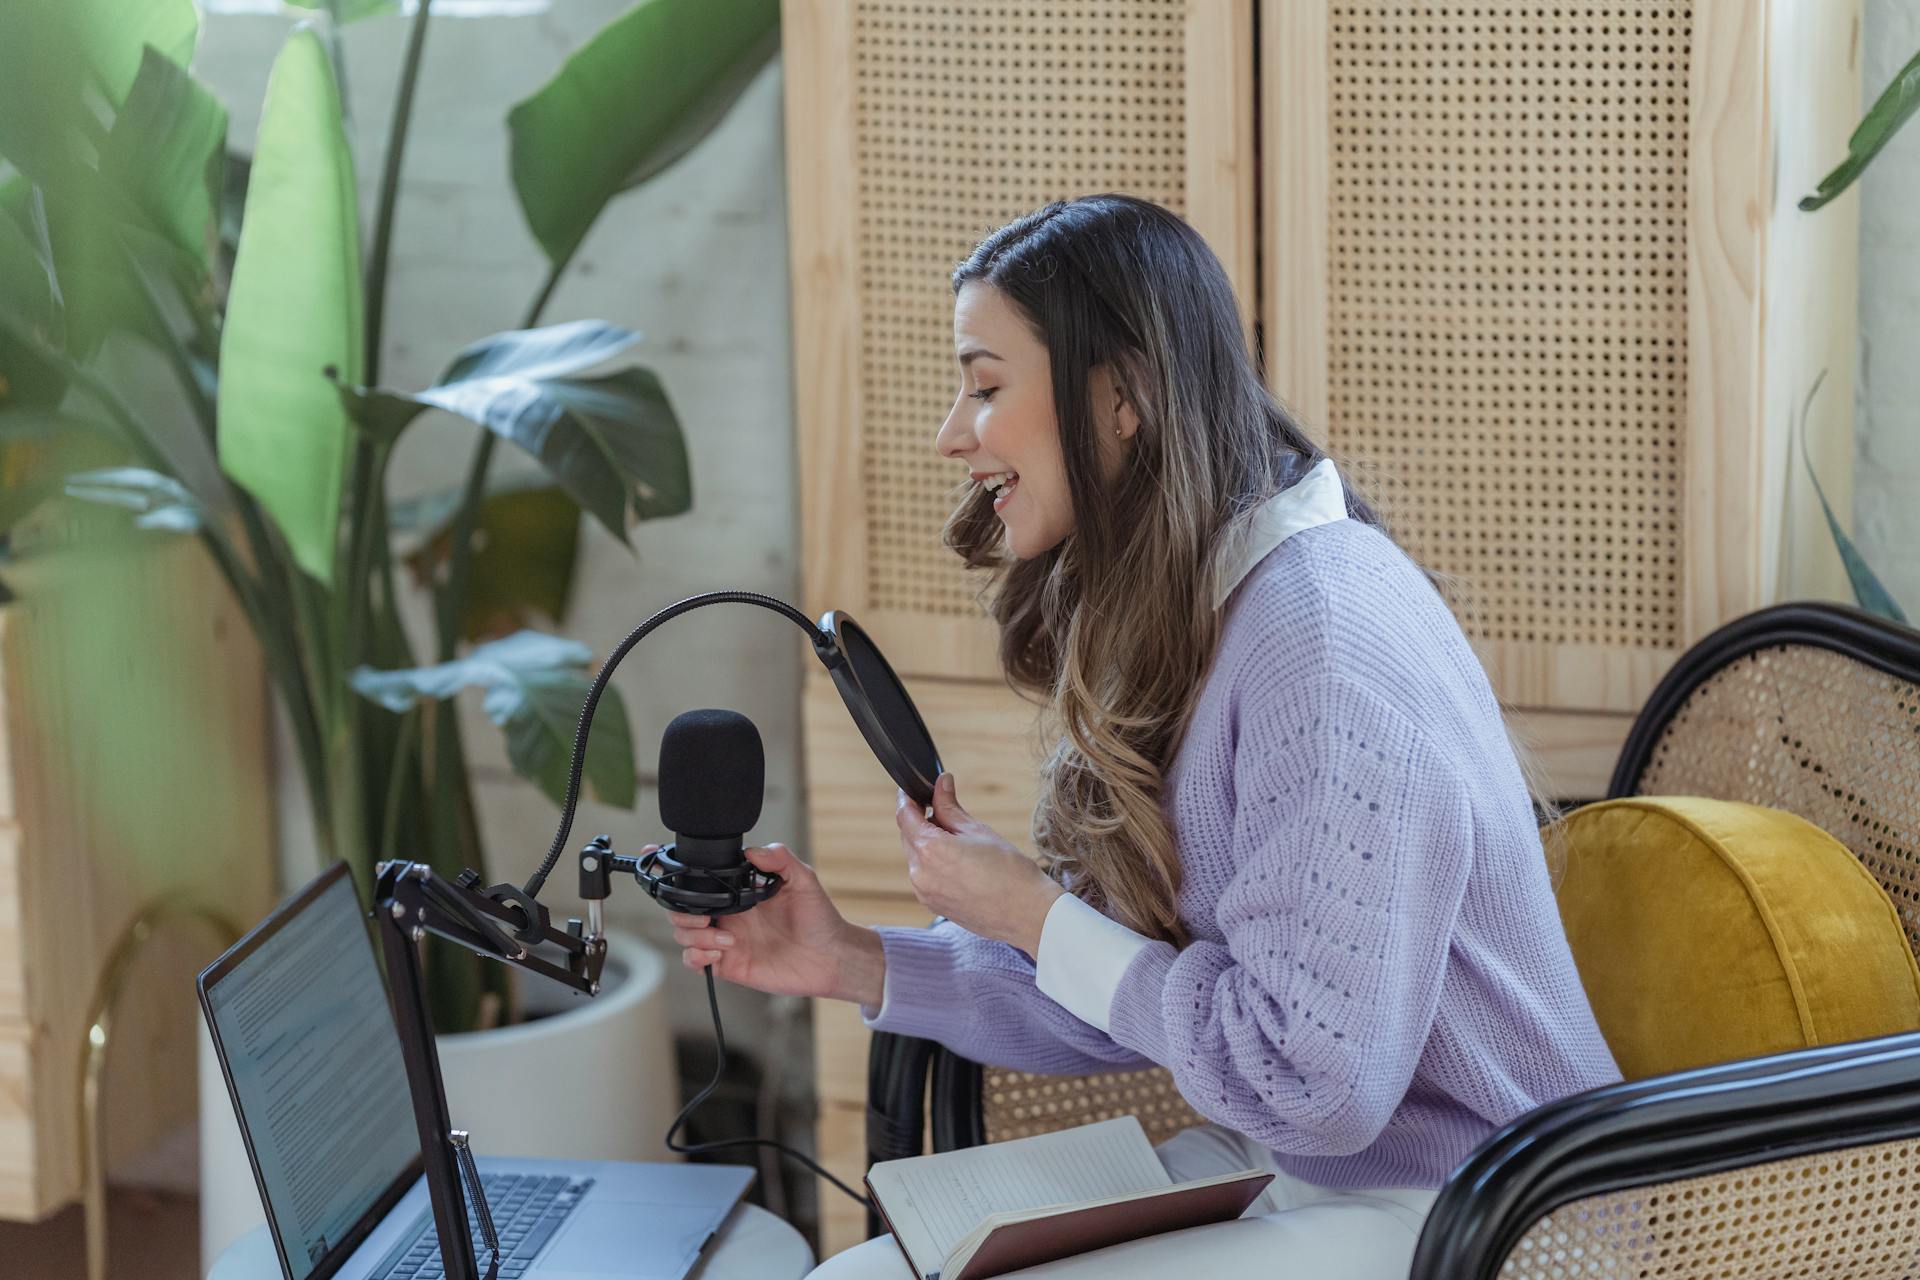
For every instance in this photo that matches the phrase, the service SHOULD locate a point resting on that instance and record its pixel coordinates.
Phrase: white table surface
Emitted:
(752, 1244)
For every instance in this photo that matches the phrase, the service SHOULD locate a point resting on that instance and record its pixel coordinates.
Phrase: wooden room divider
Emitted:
(1528, 269)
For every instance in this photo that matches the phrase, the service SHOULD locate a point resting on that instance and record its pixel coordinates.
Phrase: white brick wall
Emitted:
(1886, 494)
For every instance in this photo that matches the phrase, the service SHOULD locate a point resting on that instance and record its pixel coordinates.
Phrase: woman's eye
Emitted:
(983, 393)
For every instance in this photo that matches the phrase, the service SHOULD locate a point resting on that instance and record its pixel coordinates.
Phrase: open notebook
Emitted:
(981, 1211)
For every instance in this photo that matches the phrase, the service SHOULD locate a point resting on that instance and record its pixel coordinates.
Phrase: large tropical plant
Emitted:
(1892, 109)
(118, 212)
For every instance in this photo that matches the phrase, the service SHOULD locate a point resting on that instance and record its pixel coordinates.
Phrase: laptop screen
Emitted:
(301, 1019)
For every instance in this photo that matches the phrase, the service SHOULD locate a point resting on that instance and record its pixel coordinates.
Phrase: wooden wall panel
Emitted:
(1515, 277)
(840, 1078)
(986, 740)
(902, 154)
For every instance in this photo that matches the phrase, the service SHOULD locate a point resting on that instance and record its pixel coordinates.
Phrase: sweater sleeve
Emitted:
(977, 997)
(1303, 1027)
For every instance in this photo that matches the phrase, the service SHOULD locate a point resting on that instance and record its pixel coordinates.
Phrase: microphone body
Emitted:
(712, 783)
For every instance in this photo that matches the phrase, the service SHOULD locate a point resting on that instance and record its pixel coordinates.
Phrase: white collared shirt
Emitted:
(1084, 954)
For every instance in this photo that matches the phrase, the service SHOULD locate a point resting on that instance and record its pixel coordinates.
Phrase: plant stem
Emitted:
(390, 191)
(396, 781)
(452, 602)
(460, 561)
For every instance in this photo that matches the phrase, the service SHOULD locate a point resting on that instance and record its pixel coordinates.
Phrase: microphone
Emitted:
(712, 779)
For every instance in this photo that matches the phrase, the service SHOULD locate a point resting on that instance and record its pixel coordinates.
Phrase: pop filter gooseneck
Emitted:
(875, 698)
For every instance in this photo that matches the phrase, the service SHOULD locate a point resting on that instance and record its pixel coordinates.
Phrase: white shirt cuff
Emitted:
(1083, 956)
(870, 1015)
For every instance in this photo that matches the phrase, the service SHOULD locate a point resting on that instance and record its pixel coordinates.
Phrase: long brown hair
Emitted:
(1113, 630)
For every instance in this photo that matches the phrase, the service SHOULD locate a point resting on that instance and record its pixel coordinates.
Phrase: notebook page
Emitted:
(934, 1201)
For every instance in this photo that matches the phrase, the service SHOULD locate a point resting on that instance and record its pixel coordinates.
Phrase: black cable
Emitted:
(822, 643)
(824, 646)
(720, 1041)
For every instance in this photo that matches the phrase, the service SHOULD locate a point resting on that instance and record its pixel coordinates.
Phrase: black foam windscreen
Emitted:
(712, 774)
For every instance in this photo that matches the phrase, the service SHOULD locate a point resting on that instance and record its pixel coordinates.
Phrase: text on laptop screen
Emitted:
(311, 1046)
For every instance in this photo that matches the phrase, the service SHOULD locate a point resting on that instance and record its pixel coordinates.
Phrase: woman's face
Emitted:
(1002, 424)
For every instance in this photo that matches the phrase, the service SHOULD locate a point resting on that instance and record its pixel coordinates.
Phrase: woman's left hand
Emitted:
(963, 870)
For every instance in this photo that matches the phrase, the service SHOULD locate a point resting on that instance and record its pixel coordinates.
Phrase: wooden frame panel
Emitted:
(834, 341)
(1730, 545)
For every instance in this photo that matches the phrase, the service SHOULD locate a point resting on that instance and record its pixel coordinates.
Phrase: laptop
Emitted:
(306, 1038)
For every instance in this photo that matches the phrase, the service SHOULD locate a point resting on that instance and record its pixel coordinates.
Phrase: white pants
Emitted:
(1294, 1230)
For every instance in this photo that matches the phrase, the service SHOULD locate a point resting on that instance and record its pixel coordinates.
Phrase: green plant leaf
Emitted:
(165, 151)
(535, 687)
(29, 297)
(1895, 105)
(160, 501)
(611, 442)
(636, 97)
(294, 310)
(346, 11)
(116, 34)
(59, 59)
(427, 516)
(528, 543)
(1867, 590)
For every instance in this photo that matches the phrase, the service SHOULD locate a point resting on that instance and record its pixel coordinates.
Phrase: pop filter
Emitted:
(880, 706)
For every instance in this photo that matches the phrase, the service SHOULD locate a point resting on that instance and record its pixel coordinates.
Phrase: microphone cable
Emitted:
(539, 879)
(822, 643)
(719, 1070)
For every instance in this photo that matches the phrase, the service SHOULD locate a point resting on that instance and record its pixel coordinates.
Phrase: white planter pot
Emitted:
(594, 1080)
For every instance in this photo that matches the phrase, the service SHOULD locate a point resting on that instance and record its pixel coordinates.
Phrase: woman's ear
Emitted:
(1113, 410)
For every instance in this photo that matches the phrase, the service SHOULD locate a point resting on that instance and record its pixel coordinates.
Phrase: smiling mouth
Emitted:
(1002, 489)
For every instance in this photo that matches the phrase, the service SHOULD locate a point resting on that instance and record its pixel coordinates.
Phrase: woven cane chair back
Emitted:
(1016, 1104)
(1810, 708)
(1851, 1213)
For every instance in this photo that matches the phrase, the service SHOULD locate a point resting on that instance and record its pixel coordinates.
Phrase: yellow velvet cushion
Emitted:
(1707, 930)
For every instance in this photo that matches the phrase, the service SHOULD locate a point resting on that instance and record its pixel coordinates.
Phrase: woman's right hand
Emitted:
(795, 943)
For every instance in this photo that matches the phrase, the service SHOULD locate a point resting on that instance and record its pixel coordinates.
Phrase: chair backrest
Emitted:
(975, 1104)
(1799, 1165)
(1812, 708)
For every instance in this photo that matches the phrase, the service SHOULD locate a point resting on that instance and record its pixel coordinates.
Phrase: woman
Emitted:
(1287, 850)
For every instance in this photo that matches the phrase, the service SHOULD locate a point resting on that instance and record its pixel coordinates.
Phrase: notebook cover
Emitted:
(1061, 1235)
(882, 1210)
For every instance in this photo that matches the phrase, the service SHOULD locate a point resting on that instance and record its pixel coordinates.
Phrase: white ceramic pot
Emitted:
(593, 1080)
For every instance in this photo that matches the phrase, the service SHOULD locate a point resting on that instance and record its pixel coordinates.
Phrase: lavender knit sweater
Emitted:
(1378, 977)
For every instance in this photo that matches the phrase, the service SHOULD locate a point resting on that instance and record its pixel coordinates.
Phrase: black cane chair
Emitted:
(1812, 708)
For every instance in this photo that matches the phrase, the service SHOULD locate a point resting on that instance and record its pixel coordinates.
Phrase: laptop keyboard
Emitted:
(527, 1209)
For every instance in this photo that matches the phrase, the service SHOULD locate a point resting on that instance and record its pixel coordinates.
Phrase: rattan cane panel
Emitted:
(968, 115)
(1846, 1215)
(1508, 315)
(1816, 733)
(1017, 1104)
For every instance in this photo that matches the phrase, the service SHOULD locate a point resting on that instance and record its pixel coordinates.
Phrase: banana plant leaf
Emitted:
(165, 151)
(1867, 588)
(29, 296)
(55, 55)
(117, 33)
(535, 687)
(161, 502)
(528, 544)
(611, 442)
(294, 310)
(636, 97)
(1895, 105)
(344, 11)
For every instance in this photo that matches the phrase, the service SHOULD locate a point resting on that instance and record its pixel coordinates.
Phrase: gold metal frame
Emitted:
(168, 909)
